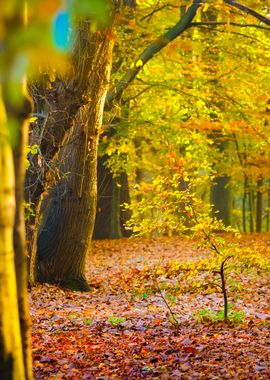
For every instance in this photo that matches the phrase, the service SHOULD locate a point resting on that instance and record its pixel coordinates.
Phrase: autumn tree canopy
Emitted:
(129, 118)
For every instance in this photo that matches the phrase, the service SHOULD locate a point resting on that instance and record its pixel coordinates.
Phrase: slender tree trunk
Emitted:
(259, 206)
(221, 200)
(65, 237)
(104, 200)
(251, 210)
(245, 191)
(11, 357)
(19, 155)
(115, 210)
(220, 192)
(268, 208)
(112, 193)
(125, 215)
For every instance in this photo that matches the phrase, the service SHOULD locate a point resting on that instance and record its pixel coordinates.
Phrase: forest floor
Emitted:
(124, 328)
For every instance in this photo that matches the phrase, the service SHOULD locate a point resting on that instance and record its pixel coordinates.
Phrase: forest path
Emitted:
(123, 329)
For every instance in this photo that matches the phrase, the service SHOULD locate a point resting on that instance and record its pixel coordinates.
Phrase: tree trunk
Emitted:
(220, 198)
(11, 358)
(112, 192)
(268, 208)
(245, 192)
(259, 205)
(19, 237)
(87, 65)
(220, 192)
(66, 234)
(58, 112)
(251, 210)
(125, 215)
(84, 91)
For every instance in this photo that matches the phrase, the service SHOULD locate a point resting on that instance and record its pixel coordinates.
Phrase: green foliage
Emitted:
(200, 105)
(210, 316)
(95, 9)
(165, 208)
(73, 316)
(116, 320)
(34, 149)
(28, 210)
(87, 321)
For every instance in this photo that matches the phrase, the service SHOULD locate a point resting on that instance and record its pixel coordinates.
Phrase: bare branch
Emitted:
(155, 11)
(137, 95)
(216, 23)
(236, 33)
(248, 10)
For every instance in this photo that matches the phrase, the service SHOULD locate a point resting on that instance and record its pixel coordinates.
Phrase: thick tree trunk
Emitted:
(11, 358)
(78, 92)
(66, 234)
(49, 134)
(84, 92)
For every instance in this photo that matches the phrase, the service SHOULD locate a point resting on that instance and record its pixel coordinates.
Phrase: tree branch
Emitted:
(205, 27)
(151, 50)
(157, 10)
(249, 11)
(216, 23)
(182, 25)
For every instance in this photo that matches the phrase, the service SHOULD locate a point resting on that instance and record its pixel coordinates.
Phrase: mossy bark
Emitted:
(11, 357)
(19, 236)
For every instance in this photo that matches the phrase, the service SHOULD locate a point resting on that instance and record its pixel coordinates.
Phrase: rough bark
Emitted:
(66, 234)
(59, 102)
(79, 92)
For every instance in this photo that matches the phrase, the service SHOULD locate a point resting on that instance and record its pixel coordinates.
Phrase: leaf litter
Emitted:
(123, 329)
